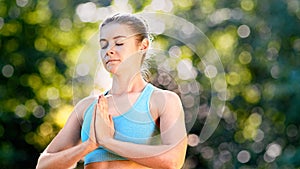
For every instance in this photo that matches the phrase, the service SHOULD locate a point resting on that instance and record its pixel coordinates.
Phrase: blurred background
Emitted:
(258, 41)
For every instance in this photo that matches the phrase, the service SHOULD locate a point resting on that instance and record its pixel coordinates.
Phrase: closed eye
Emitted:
(119, 44)
(103, 44)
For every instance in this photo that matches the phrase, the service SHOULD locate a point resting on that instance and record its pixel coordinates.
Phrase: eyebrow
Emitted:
(116, 37)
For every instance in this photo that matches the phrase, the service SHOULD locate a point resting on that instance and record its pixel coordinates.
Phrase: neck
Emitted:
(127, 84)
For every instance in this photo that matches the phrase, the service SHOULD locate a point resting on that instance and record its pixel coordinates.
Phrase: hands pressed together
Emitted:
(102, 125)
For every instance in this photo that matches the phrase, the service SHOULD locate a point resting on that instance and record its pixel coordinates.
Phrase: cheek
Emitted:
(127, 50)
(102, 54)
(120, 48)
(102, 60)
(121, 51)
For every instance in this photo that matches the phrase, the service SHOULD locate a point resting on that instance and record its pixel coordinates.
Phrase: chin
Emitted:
(112, 70)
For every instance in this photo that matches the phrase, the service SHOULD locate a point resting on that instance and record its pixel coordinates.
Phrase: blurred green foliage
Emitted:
(258, 43)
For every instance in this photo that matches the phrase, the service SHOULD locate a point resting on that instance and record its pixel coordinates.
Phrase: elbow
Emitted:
(175, 161)
(174, 164)
(38, 166)
(41, 163)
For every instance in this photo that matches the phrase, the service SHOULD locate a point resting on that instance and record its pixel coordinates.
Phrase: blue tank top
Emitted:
(136, 126)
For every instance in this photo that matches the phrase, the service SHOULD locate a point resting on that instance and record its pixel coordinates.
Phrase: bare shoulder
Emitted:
(83, 104)
(70, 134)
(168, 108)
(164, 96)
(164, 99)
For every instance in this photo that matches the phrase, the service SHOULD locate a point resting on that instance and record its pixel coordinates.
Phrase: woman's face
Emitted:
(118, 44)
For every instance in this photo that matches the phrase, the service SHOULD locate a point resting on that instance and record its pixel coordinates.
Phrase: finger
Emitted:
(111, 121)
(99, 106)
(93, 118)
(110, 118)
(99, 115)
(99, 98)
(103, 105)
(112, 125)
(102, 115)
(100, 103)
(92, 125)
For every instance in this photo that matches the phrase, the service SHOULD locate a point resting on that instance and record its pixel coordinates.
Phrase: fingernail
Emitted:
(99, 98)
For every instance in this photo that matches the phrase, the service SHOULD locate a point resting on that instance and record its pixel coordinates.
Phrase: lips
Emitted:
(112, 60)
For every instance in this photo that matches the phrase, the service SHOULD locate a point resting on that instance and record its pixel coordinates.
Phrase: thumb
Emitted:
(92, 125)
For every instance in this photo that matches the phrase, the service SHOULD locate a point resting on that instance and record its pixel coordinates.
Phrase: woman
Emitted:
(134, 124)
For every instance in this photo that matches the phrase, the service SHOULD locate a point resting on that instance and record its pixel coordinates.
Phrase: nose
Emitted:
(110, 51)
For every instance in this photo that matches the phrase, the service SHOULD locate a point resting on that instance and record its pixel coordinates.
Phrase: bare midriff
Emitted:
(124, 164)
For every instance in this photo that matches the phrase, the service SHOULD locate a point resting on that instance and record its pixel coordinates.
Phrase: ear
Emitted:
(144, 44)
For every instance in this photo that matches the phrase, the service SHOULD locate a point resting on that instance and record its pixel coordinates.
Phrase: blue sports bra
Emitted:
(136, 126)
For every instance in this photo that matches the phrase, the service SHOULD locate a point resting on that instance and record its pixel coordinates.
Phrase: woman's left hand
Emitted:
(104, 125)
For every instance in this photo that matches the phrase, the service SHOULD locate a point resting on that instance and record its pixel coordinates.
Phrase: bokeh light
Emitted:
(243, 156)
(243, 31)
(7, 71)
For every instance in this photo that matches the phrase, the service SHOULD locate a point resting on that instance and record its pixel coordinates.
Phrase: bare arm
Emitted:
(153, 156)
(66, 149)
(65, 158)
(171, 153)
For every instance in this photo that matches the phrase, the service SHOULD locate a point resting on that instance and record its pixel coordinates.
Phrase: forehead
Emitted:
(112, 30)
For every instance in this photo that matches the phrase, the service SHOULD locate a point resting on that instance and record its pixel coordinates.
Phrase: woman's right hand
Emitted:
(92, 135)
(105, 129)
(102, 126)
